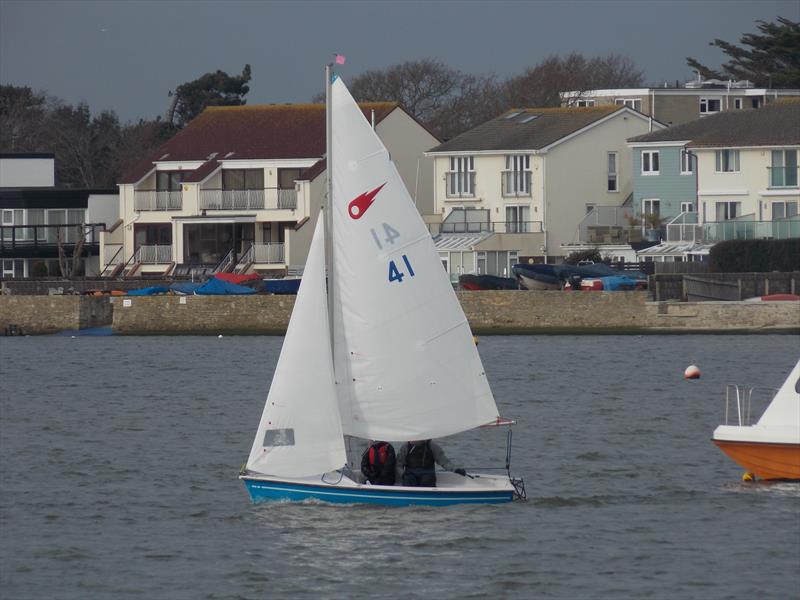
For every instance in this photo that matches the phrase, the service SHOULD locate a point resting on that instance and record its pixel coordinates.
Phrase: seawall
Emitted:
(489, 312)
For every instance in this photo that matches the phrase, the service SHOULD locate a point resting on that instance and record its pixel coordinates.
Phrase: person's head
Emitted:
(417, 442)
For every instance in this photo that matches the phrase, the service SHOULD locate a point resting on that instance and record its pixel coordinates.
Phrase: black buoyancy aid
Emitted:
(420, 457)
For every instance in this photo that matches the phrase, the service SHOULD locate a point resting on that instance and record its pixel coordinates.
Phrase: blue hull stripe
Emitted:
(264, 491)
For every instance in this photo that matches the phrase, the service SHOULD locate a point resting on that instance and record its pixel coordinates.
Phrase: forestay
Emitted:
(300, 432)
(406, 363)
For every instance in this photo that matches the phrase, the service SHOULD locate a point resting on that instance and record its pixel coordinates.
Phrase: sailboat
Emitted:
(769, 449)
(377, 323)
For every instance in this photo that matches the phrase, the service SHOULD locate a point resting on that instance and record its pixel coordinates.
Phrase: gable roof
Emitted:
(261, 131)
(527, 129)
(776, 124)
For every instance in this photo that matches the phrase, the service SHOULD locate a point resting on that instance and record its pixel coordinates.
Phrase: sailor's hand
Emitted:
(461, 472)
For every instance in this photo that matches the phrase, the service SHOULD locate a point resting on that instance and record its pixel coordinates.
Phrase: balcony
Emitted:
(782, 177)
(460, 184)
(157, 200)
(516, 184)
(43, 240)
(720, 231)
(255, 199)
(264, 254)
(154, 255)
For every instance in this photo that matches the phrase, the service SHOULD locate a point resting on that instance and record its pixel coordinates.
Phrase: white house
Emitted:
(517, 187)
(237, 187)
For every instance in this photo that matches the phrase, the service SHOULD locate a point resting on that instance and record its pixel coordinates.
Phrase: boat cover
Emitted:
(149, 291)
(237, 278)
(185, 287)
(217, 287)
(616, 283)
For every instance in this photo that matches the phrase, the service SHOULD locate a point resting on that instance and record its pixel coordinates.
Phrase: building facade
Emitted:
(45, 230)
(682, 103)
(235, 190)
(523, 182)
(743, 182)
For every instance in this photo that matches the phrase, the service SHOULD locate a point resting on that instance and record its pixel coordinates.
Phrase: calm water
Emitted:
(120, 455)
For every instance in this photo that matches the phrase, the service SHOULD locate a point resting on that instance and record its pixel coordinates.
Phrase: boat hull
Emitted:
(765, 460)
(272, 490)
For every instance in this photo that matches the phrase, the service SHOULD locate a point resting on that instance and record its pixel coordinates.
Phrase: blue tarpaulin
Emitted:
(217, 287)
(617, 283)
(149, 291)
(185, 287)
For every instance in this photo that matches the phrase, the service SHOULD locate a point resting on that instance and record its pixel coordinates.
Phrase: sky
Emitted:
(126, 56)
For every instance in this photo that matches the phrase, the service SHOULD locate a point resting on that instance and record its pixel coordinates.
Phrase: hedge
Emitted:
(755, 256)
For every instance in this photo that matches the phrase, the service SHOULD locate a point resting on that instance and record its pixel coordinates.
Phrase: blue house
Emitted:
(664, 180)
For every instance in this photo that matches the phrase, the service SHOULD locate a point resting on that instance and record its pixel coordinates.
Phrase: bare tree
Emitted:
(541, 85)
(69, 267)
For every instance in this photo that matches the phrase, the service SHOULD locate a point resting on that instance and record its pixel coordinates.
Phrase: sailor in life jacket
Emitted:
(378, 463)
(417, 460)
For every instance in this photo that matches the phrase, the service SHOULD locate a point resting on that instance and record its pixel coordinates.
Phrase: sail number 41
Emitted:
(396, 274)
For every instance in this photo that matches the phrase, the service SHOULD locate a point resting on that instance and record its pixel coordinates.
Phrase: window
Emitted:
(687, 207)
(518, 219)
(169, 181)
(710, 105)
(611, 180)
(783, 172)
(634, 103)
(517, 176)
(286, 178)
(244, 179)
(727, 161)
(584, 103)
(686, 162)
(737, 103)
(650, 162)
(153, 234)
(728, 210)
(781, 210)
(461, 177)
(481, 263)
(651, 206)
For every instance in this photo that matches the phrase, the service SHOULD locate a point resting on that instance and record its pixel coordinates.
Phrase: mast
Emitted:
(329, 193)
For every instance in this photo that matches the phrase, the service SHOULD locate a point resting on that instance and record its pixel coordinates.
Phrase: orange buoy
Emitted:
(691, 372)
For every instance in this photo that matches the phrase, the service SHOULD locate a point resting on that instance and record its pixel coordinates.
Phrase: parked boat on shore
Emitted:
(487, 282)
(769, 449)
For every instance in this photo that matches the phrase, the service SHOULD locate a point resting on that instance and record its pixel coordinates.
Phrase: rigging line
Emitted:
(445, 332)
(398, 249)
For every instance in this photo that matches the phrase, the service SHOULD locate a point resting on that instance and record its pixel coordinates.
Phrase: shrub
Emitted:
(755, 256)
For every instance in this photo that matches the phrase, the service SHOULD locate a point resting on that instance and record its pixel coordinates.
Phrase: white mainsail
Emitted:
(405, 360)
(300, 433)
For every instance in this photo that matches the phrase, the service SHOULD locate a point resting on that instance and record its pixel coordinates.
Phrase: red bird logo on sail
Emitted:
(359, 205)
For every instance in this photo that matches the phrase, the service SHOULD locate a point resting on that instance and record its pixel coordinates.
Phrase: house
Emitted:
(38, 218)
(237, 188)
(682, 103)
(733, 175)
(518, 186)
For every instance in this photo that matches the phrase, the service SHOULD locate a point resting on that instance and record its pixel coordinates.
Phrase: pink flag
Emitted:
(340, 59)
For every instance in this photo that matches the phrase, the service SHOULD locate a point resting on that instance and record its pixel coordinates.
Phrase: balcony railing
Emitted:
(487, 227)
(516, 184)
(460, 184)
(15, 237)
(782, 177)
(256, 199)
(719, 231)
(157, 200)
(268, 254)
(154, 255)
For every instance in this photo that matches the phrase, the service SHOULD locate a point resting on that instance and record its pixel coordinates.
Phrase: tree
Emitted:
(211, 89)
(22, 113)
(541, 85)
(771, 59)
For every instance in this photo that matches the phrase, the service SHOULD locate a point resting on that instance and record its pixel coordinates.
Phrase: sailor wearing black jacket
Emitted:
(417, 460)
